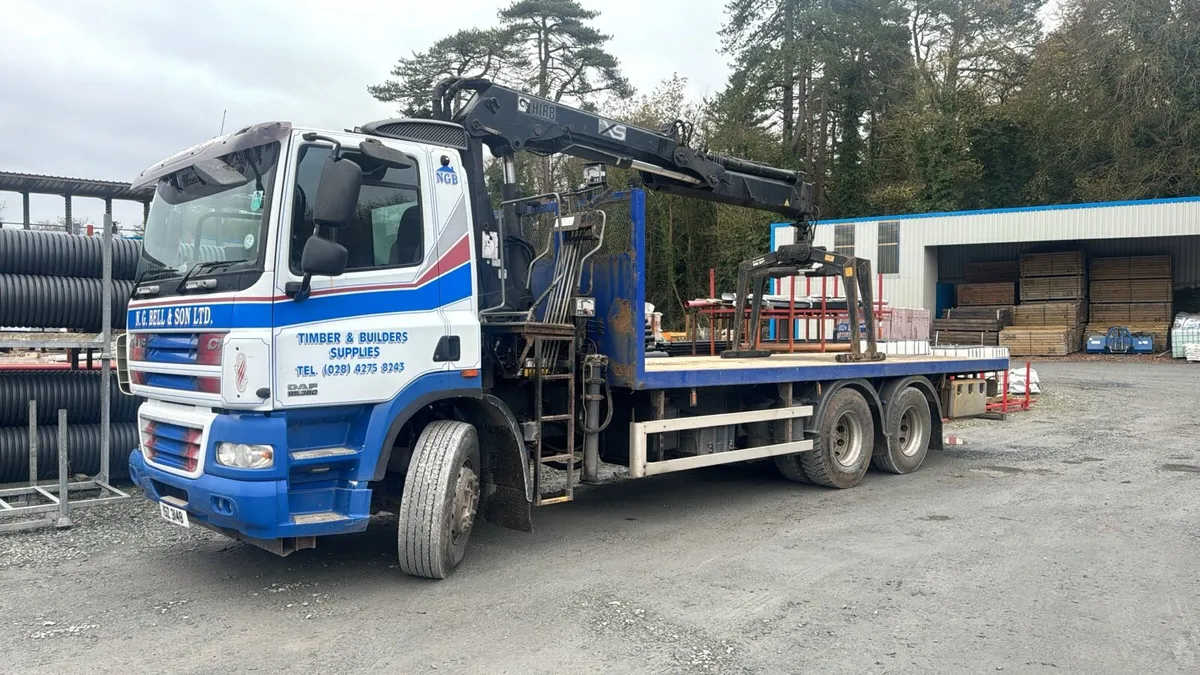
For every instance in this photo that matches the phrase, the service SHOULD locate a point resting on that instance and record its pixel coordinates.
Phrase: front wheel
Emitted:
(440, 500)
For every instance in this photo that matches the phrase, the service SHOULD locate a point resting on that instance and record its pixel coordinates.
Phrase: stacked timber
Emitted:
(1132, 292)
(972, 325)
(974, 295)
(1049, 321)
(1052, 276)
(1060, 313)
(1060, 264)
(992, 272)
(1045, 328)
(1041, 340)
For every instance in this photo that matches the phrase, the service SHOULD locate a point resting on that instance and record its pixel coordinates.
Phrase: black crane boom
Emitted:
(509, 121)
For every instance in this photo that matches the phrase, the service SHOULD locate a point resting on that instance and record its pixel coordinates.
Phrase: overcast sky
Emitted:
(104, 89)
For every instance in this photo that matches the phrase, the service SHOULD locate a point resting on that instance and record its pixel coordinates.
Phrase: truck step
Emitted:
(557, 376)
(321, 454)
(564, 457)
(319, 517)
(557, 418)
(554, 498)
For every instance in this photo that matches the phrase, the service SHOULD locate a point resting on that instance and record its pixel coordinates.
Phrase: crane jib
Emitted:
(509, 121)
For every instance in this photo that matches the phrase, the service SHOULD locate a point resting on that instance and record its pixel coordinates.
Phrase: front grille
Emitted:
(172, 348)
(165, 381)
(171, 445)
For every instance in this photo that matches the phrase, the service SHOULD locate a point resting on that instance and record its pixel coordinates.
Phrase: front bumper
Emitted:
(296, 498)
(257, 509)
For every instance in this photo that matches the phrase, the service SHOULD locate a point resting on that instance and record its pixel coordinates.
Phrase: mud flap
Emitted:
(507, 507)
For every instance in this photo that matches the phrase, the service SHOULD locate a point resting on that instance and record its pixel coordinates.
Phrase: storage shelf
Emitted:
(43, 340)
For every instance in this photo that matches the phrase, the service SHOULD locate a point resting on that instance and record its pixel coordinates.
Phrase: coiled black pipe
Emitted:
(65, 255)
(78, 391)
(83, 451)
(59, 302)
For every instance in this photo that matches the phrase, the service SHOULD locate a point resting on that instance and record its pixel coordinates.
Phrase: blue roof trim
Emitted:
(1014, 209)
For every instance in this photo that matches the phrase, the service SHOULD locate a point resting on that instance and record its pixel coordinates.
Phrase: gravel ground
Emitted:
(1062, 540)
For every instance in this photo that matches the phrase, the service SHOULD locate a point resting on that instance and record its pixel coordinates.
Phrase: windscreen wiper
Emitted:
(150, 274)
(189, 283)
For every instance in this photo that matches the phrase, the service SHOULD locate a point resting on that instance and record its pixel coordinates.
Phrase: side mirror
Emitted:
(337, 194)
(322, 257)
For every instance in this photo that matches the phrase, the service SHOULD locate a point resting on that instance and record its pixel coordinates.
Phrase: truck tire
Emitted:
(842, 448)
(907, 428)
(440, 500)
(790, 468)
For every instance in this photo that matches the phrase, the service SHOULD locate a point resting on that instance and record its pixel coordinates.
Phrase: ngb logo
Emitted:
(445, 175)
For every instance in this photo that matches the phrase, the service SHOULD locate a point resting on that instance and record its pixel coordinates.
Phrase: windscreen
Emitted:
(209, 213)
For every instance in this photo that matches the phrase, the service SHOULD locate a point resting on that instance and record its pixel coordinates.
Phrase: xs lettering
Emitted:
(303, 389)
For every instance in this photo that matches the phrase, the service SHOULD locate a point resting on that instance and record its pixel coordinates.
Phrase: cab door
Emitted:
(364, 336)
(456, 257)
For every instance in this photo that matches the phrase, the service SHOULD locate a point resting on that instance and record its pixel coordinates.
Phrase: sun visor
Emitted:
(249, 137)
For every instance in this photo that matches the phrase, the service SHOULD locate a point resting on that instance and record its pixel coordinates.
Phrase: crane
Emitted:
(508, 121)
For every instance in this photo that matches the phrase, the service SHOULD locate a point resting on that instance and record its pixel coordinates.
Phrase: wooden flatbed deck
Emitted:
(708, 371)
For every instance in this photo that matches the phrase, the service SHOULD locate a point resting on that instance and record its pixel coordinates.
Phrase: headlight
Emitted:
(243, 456)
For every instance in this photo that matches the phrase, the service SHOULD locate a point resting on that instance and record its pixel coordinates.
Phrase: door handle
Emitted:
(449, 348)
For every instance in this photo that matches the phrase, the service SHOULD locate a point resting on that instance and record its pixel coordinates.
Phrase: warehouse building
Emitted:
(1035, 279)
(923, 257)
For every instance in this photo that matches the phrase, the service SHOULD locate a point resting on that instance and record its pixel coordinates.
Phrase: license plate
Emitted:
(173, 514)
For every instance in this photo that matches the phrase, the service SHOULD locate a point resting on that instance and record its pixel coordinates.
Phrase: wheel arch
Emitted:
(823, 392)
(507, 495)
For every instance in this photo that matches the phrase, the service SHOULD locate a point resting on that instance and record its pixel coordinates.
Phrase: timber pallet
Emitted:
(1041, 341)
(1063, 263)
(1136, 267)
(967, 324)
(987, 294)
(1053, 288)
(1055, 313)
(961, 337)
(1002, 314)
(992, 272)
(1131, 290)
(1119, 314)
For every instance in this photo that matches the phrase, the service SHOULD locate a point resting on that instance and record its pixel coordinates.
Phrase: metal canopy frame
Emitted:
(43, 503)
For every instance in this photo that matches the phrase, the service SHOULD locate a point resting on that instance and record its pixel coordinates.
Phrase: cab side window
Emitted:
(387, 229)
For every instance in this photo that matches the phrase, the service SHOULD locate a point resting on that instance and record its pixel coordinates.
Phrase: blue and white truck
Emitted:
(329, 324)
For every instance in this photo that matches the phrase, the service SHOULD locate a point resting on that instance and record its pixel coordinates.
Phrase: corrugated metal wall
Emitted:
(936, 246)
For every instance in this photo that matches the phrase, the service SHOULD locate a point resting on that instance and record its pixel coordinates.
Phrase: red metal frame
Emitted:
(1007, 405)
(783, 317)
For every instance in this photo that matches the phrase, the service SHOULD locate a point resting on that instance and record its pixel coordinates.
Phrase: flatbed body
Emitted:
(713, 371)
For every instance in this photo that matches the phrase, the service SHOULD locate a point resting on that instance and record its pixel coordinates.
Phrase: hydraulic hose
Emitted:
(65, 255)
(83, 451)
(59, 302)
(78, 391)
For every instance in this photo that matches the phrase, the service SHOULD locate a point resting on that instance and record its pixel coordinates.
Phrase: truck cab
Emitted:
(272, 391)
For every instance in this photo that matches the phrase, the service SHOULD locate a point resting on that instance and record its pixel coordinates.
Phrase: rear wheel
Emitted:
(440, 500)
(907, 430)
(842, 449)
